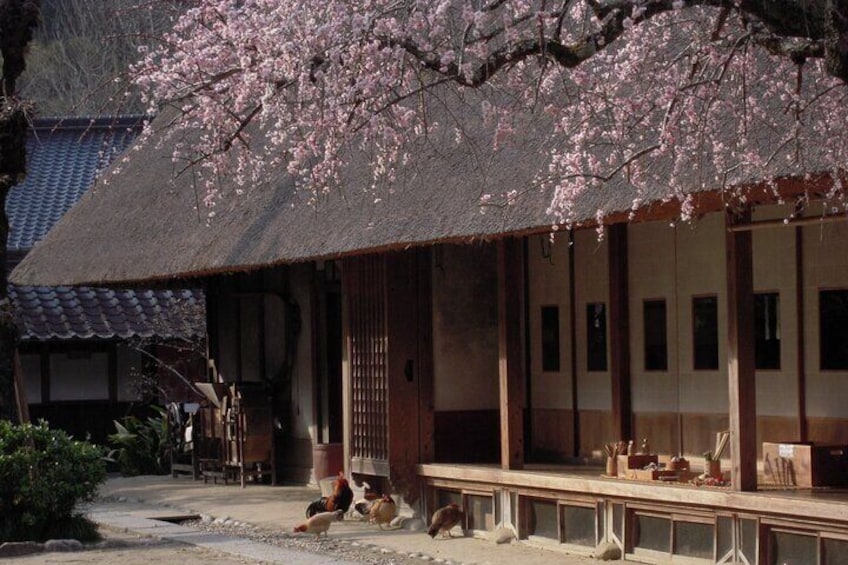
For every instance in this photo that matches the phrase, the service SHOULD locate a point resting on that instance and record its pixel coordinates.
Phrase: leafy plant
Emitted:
(142, 446)
(44, 475)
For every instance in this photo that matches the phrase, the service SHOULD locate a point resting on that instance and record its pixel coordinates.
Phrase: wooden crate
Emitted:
(665, 475)
(805, 464)
(629, 462)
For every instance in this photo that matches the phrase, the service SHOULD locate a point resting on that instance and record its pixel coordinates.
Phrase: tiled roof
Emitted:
(64, 157)
(63, 312)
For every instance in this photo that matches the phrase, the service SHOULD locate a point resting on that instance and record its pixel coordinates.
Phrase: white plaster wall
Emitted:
(652, 267)
(465, 327)
(700, 261)
(303, 417)
(548, 286)
(79, 379)
(774, 271)
(591, 279)
(826, 268)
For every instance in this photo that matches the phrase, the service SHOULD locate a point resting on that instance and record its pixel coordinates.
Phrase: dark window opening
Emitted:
(596, 337)
(705, 332)
(656, 336)
(767, 330)
(833, 329)
(550, 338)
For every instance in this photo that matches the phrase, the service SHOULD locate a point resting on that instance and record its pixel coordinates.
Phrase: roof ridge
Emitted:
(85, 122)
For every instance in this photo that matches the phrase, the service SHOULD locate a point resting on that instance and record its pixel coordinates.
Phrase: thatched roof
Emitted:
(142, 227)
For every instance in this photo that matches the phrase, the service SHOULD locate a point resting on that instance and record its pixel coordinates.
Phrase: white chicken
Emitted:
(320, 523)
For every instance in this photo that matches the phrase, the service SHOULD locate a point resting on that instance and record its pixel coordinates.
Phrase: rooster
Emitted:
(444, 519)
(341, 499)
(382, 511)
(320, 523)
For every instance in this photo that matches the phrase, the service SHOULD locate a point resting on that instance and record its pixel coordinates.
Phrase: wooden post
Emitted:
(619, 324)
(20, 392)
(740, 357)
(510, 366)
(572, 343)
(801, 364)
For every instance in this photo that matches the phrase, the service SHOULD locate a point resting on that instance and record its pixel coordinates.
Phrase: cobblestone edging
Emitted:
(341, 548)
(21, 548)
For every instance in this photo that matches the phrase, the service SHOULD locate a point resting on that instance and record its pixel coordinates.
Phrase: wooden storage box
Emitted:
(629, 462)
(805, 464)
(666, 475)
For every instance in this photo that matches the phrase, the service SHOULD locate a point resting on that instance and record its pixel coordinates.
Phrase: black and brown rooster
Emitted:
(341, 499)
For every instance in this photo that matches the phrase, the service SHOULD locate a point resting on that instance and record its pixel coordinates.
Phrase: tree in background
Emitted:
(680, 94)
(79, 55)
(18, 19)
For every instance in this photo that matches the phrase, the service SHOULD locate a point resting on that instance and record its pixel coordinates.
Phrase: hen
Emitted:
(320, 523)
(382, 511)
(341, 499)
(444, 519)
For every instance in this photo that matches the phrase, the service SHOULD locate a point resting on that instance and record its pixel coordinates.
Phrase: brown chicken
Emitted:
(444, 519)
(382, 511)
(320, 523)
(341, 499)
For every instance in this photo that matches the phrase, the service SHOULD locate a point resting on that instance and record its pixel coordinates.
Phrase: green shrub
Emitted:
(44, 474)
(141, 446)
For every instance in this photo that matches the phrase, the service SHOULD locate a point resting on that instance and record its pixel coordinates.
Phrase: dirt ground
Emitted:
(123, 548)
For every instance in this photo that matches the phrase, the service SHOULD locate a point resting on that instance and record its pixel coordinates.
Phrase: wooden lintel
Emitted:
(510, 365)
(740, 358)
(797, 222)
(619, 324)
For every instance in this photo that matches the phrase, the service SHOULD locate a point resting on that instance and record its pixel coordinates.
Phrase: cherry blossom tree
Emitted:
(679, 94)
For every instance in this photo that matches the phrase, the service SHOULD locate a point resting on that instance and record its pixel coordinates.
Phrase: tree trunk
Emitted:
(18, 18)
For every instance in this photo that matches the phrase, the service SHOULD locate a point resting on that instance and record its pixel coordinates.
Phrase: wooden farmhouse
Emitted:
(455, 351)
(83, 348)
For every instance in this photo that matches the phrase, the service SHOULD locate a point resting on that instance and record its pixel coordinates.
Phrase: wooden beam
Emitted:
(740, 357)
(20, 390)
(426, 392)
(800, 364)
(797, 222)
(510, 365)
(619, 329)
(572, 343)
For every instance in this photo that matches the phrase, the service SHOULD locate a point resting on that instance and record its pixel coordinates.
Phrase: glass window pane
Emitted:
(835, 552)
(653, 533)
(480, 513)
(767, 330)
(542, 519)
(705, 332)
(578, 525)
(445, 497)
(656, 338)
(618, 520)
(833, 329)
(550, 338)
(792, 549)
(596, 337)
(748, 539)
(725, 535)
(693, 540)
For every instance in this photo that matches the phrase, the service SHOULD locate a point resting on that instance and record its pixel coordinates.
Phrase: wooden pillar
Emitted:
(572, 343)
(619, 324)
(801, 364)
(740, 357)
(510, 366)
